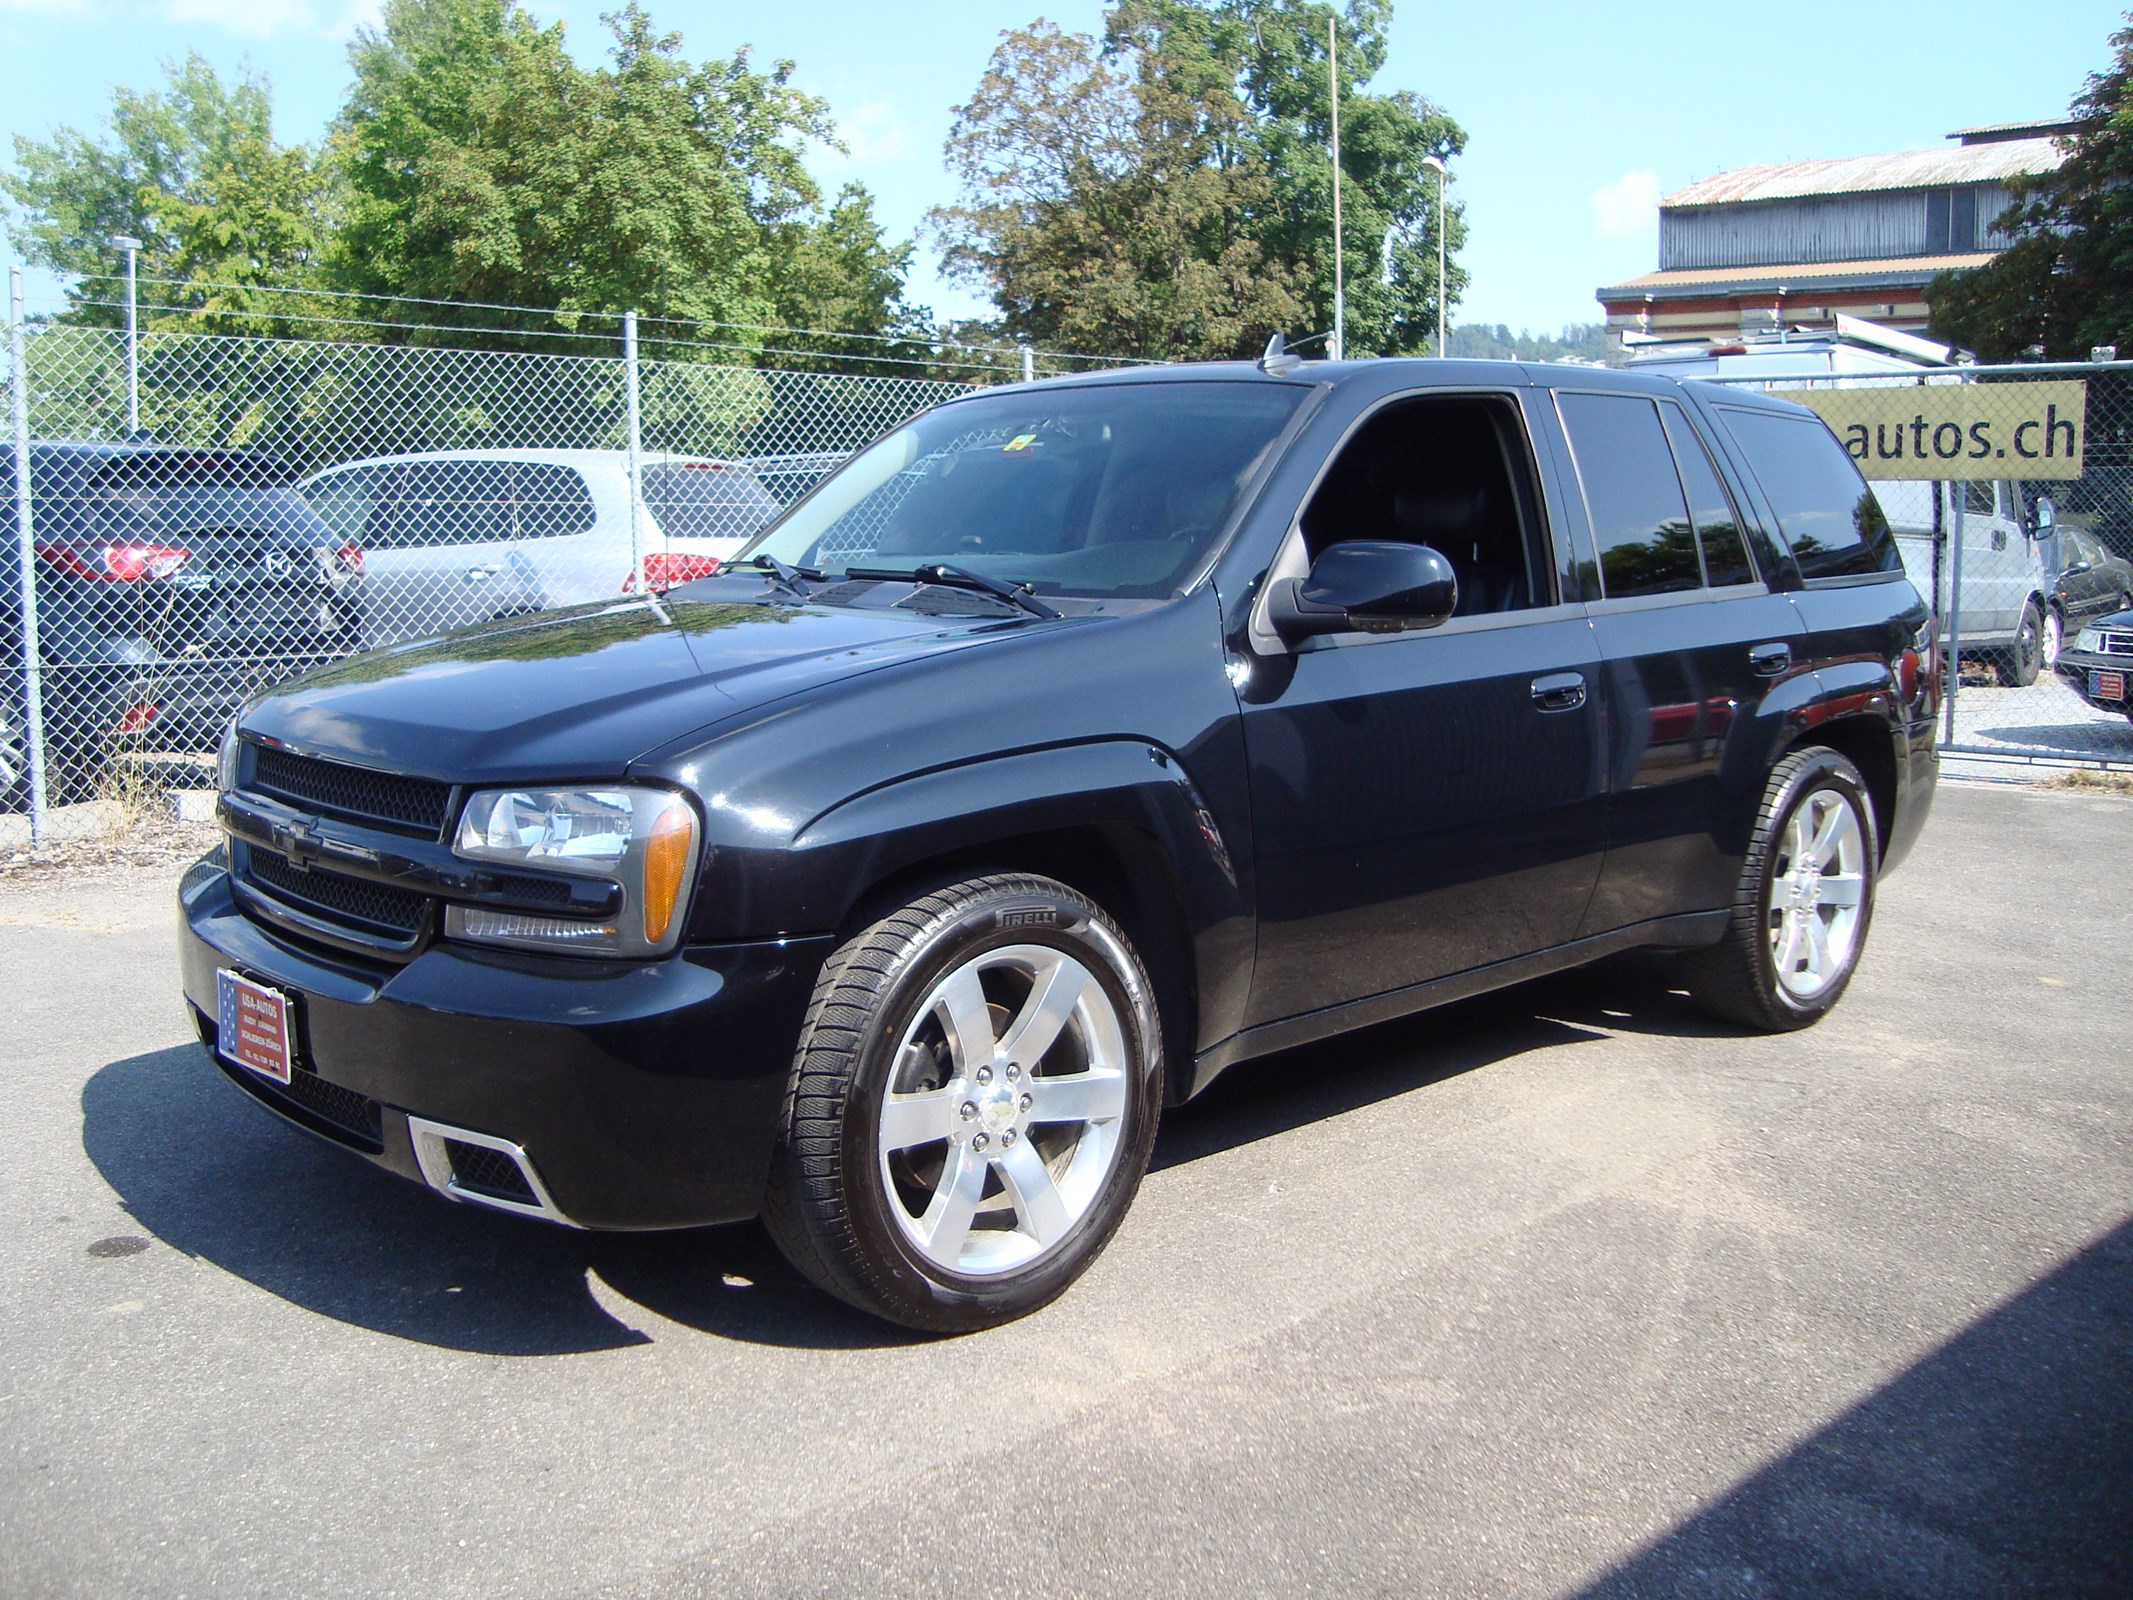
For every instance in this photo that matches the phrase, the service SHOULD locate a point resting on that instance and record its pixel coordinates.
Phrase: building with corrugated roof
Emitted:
(1794, 243)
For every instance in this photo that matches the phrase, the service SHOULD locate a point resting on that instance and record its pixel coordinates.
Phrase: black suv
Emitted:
(164, 576)
(1068, 745)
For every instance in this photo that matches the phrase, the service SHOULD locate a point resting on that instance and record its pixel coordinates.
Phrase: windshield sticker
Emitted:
(1021, 441)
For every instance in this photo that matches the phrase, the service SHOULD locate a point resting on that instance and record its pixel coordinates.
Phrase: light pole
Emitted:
(1444, 311)
(132, 246)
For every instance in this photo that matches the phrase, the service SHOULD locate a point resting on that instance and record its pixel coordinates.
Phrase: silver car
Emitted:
(449, 538)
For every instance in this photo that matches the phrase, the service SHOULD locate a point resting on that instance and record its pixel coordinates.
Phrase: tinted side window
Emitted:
(445, 502)
(1725, 552)
(697, 500)
(553, 502)
(344, 500)
(1833, 524)
(1639, 518)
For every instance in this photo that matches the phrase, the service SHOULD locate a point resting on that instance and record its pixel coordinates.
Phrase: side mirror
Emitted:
(2043, 518)
(1366, 586)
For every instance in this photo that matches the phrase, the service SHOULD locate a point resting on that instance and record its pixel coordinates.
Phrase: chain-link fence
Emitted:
(206, 515)
(217, 514)
(2010, 492)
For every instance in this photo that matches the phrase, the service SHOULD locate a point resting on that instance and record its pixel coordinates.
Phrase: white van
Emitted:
(2001, 612)
(453, 537)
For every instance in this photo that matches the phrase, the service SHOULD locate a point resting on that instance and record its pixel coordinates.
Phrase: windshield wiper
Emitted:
(953, 577)
(785, 577)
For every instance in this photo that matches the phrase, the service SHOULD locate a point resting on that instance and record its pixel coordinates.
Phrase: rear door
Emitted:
(1693, 640)
(438, 550)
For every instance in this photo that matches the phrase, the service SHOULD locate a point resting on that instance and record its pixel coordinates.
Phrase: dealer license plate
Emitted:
(2107, 685)
(253, 1029)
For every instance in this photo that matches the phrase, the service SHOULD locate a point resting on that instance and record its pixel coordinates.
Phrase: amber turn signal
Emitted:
(666, 867)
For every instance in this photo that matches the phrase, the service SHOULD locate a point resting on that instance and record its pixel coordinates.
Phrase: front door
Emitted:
(1427, 803)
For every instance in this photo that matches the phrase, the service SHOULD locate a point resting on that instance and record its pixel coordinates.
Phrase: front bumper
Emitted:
(2075, 667)
(643, 1094)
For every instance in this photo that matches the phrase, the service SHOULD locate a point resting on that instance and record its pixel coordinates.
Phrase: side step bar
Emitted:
(481, 1170)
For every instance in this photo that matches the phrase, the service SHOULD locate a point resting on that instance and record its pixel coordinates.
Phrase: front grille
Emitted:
(372, 908)
(407, 805)
(329, 1102)
(535, 891)
(2115, 644)
(489, 1172)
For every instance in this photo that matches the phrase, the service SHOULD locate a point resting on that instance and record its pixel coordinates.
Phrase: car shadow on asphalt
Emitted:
(2114, 739)
(208, 1173)
(2001, 1464)
(1638, 992)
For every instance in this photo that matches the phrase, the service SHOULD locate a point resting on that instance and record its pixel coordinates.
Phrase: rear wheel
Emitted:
(1805, 898)
(972, 1105)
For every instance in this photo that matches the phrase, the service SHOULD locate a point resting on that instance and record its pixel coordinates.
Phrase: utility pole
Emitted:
(1340, 295)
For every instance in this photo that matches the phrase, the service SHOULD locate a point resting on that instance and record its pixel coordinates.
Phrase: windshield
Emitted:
(1110, 491)
(172, 495)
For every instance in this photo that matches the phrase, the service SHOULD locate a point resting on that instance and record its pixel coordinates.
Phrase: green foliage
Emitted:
(194, 172)
(1166, 191)
(1482, 341)
(475, 161)
(2066, 284)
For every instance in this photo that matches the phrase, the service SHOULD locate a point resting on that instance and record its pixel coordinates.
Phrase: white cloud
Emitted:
(1627, 206)
(256, 18)
(873, 131)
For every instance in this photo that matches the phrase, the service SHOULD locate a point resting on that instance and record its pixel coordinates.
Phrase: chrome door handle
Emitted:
(1768, 660)
(1559, 691)
(483, 572)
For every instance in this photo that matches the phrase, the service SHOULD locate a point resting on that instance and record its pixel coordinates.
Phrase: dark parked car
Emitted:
(166, 578)
(1069, 745)
(2091, 583)
(2098, 666)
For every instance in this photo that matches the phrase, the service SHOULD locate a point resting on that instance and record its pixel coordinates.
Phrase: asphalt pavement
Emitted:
(1563, 1292)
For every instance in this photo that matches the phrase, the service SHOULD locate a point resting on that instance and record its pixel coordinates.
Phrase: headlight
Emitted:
(226, 759)
(643, 840)
(2089, 639)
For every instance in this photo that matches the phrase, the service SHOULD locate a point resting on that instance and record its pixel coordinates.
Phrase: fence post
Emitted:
(1954, 491)
(1029, 365)
(630, 391)
(26, 555)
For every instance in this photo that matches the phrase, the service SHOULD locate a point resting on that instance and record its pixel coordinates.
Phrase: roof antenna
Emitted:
(1276, 358)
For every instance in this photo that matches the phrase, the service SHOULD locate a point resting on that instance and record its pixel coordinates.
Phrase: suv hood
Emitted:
(581, 693)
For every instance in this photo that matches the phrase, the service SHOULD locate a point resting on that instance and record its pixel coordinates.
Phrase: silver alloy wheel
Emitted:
(2054, 638)
(1815, 888)
(1004, 1108)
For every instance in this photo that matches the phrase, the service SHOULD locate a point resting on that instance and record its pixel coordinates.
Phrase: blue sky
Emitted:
(1578, 115)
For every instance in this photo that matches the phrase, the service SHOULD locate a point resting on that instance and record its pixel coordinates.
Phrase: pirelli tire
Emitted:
(972, 1104)
(1804, 902)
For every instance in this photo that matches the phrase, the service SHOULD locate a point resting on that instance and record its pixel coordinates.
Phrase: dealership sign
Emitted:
(1957, 430)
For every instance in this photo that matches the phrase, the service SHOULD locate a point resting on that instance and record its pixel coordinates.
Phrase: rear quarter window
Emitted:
(699, 500)
(1825, 512)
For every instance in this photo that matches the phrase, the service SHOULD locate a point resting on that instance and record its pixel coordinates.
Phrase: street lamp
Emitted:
(1444, 310)
(132, 246)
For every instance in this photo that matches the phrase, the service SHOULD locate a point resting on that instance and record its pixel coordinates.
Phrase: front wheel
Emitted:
(1805, 897)
(972, 1105)
(2018, 667)
(2053, 639)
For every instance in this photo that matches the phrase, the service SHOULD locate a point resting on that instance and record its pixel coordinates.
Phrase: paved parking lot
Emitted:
(1563, 1292)
(2046, 719)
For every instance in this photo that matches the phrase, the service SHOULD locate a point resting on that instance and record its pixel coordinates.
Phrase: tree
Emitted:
(485, 166)
(1166, 191)
(2066, 283)
(193, 171)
